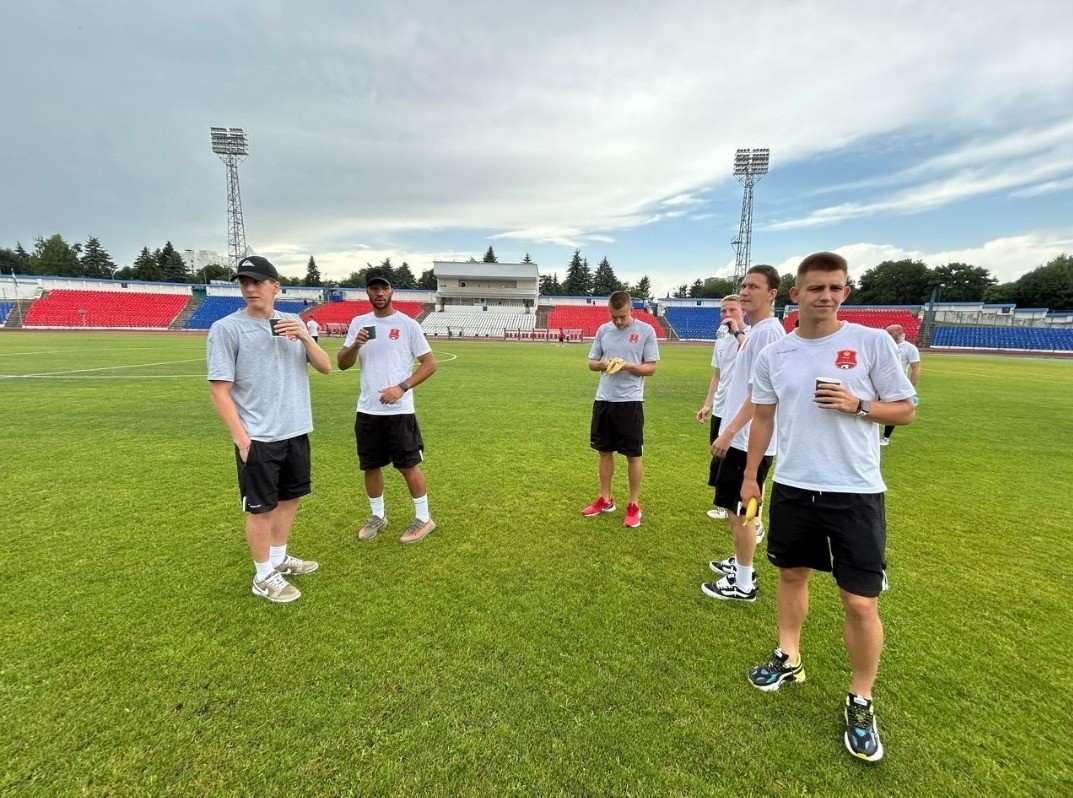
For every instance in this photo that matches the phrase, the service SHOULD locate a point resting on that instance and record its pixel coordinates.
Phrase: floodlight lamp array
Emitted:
(229, 141)
(749, 162)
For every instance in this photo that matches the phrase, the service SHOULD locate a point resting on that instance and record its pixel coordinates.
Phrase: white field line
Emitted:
(46, 374)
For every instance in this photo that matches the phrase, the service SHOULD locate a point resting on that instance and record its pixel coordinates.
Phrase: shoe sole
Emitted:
(610, 509)
(427, 531)
(716, 514)
(771, 688)
(277, 600)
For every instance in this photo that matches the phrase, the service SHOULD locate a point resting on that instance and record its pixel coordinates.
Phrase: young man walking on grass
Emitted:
(909, 357)
(259, 383)
(822, 384)
(738, 583)
(624, 352)
(386, 430)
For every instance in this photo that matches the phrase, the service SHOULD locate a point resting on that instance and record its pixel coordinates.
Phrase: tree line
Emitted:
(901, 282)
(912, 282)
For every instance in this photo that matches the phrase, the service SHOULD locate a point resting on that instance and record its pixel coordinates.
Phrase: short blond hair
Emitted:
(731, 298)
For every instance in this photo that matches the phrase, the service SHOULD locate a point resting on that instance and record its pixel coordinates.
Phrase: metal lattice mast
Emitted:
(230, 144)
(749, 167)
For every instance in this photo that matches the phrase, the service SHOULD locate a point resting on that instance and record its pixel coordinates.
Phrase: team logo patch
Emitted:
(394, 334)
(634, 338)
(846, 359)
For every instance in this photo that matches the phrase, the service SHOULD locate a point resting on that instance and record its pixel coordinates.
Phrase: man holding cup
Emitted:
(822, 385)
(259, 385)
(386, 430)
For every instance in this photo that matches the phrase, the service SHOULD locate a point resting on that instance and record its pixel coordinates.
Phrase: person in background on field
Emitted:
(386, 430)
(827, 511)
(731, 334)
(909, 357)
(259, 384)
(758, 290)
(313, 328)
(618, 417)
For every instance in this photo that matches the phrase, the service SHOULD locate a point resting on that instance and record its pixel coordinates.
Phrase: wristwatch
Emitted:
(863, 408)
(738, 332)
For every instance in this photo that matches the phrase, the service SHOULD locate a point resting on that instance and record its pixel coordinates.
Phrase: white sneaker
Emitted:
(717, 513)
(759, 530)
(275, 588)
(884, 441)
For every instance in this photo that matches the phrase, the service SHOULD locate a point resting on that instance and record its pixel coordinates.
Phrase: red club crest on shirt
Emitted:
(846, 359)
(394, 334)
(634, 338)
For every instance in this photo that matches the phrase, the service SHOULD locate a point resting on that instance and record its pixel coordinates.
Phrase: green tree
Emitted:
(96, 262)
(146, 266)
(604, 281)
(681, 292)
(643, 289)
(312, 273)
(490, 256)
(961, 282)
(786, 282)
(1048, 286)
(171, 263)
(54, 256)
(900, 282)
(354, 280)
(549, 285)
(527, 259)
(696, 289)
(214, 271)
(10, 263)
(578, 280)
(404, 277)
(428, 280)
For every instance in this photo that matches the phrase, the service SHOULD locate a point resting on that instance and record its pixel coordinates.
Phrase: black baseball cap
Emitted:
(377, 276)
(256, 268)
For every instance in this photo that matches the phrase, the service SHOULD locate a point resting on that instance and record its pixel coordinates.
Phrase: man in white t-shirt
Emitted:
(822, 383)
(758, 290)
(909, 357)
(314, 328)
(386, 342)
(729, 338)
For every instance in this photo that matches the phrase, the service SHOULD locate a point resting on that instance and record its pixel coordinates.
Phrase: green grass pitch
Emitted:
(520, 649)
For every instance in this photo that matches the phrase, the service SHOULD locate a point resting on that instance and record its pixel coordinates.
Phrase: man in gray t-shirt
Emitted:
(624, 351)
(259, 385)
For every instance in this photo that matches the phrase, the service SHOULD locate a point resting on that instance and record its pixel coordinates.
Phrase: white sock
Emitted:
(743, 577)
(277, 554)
(421, 508)
(263, 569)
(377, 505)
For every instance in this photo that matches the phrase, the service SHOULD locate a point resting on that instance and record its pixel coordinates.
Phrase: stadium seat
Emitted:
(105, 309)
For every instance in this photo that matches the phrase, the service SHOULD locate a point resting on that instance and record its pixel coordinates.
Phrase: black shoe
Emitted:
(774, 672)
(862, 736)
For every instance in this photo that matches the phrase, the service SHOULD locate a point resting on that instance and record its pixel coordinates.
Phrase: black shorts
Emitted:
(618, 427)
(387, 440)
(731, 473)
(841, 532)
(273, 472)
(713, 433)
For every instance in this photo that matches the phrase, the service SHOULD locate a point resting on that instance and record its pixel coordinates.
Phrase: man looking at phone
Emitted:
(386, 430)
(821, 384)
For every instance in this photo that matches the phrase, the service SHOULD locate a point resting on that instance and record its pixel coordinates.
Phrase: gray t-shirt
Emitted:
(269, 375)
(634, 344)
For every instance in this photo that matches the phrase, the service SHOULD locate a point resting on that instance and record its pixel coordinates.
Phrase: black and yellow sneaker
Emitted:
(862, 736)
(771, 675)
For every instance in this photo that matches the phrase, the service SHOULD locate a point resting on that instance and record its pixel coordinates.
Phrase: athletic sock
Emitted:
(421, 508)
(277, 554)
(263, 569)
(377, 505)
(743, 577)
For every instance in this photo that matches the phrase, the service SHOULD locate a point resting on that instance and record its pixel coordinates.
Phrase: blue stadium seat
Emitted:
(216, 307)
(1035, 339)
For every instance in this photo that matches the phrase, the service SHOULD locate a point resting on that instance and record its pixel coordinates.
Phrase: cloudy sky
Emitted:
(430, 130)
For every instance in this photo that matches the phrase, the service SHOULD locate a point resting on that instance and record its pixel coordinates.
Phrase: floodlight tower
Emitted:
(749, 167)
(230, 144)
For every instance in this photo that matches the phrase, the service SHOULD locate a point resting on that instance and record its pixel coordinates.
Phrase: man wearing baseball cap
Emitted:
(259, 384)
(386, 430)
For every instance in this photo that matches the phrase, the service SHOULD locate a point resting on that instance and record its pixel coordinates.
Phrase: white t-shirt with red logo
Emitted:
(828, 450)
(387, 359)
(760, 335)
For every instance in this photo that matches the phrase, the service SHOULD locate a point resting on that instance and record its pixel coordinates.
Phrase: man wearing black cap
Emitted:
(259, 385)
(386, 342)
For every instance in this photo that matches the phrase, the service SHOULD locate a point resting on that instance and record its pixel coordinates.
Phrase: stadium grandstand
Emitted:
(494, 301)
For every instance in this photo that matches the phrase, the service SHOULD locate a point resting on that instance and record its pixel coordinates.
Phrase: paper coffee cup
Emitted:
(272, 323)
(822, 381)
(371, 330)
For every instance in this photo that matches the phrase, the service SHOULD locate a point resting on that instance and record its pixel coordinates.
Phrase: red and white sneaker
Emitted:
(633, 515)
(601, 505)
